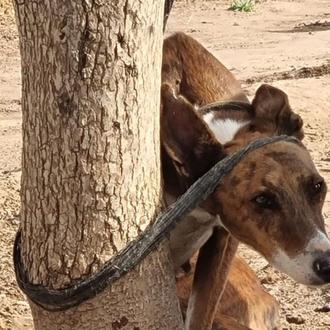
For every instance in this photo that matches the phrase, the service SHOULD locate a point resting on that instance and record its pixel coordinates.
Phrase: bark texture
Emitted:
(91, 165)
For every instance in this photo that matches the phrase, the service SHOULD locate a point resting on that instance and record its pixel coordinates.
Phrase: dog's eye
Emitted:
(317, 187)
(266, 201)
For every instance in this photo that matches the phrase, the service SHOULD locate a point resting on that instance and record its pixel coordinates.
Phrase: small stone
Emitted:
(267, 280)
(295, 319)
(235, 24)
(323, 309)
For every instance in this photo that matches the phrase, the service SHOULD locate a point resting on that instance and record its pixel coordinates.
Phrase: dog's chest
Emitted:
(224, 129)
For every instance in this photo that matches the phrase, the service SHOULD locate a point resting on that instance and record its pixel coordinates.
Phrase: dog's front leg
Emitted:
(210, 279)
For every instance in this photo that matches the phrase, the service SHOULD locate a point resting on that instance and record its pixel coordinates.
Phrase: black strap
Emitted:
(137, 250)
(226, 105)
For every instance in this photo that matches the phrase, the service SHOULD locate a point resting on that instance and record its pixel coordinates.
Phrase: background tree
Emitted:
(91, 163)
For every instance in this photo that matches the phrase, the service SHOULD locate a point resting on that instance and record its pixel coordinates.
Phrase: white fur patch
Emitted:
(300, 267)
(223, 129)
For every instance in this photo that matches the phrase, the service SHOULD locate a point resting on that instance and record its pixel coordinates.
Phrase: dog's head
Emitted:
(272, 200)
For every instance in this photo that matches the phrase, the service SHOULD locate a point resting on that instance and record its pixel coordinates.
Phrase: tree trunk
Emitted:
(91, 164)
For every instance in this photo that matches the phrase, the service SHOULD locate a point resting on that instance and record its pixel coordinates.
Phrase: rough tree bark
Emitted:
(91, 164)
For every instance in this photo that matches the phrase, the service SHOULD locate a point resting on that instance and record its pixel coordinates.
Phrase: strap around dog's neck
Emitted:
(225, 105)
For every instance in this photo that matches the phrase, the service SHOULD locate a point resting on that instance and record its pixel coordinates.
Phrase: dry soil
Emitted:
(285, 43)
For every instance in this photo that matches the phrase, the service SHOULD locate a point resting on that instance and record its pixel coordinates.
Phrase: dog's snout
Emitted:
(321, 267)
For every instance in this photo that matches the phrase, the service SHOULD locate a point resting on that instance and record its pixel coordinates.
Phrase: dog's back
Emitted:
(211, 82)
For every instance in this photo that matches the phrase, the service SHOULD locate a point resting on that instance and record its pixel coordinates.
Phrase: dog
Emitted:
(210, 115)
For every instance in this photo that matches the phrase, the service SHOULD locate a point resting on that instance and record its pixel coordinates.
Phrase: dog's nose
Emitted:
(321, 267)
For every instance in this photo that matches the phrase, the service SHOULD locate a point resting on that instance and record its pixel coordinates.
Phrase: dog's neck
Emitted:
(232, 132)
(192, 232)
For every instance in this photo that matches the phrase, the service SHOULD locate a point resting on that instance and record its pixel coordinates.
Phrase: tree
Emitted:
(90, 162)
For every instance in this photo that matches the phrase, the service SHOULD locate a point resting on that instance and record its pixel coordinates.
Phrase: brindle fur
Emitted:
(288, 177)
(188, 151)
(243, 290)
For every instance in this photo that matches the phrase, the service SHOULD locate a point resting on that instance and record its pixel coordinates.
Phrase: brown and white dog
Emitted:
(271, 201)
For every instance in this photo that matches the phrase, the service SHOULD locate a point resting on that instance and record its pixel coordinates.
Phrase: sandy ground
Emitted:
(286, 43)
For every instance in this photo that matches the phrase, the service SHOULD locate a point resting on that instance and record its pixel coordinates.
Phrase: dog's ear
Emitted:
(271, 106)
(185, 136)
(269, 102)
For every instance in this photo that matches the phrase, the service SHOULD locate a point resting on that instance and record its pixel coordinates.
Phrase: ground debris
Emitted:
(323, 309)
(295, 319)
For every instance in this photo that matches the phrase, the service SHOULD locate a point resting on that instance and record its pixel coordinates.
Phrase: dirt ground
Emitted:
(285, 43)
